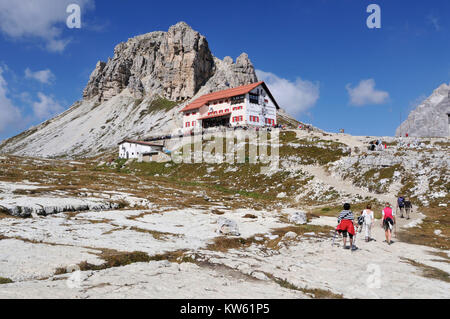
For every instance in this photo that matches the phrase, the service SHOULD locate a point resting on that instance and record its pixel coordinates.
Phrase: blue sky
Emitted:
(324, 63)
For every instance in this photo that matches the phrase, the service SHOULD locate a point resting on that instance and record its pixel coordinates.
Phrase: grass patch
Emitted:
(314, 293)
(4, 281)
(428, 271)
(288, 137)
(312, 154)
(112, 259)
(437, 218)
(223, 244)
(356, 208)
(157, 105)
(373, 177)
(156, 234)
(288, 122)
(241, 192)
(311, 151)
(442, 255)
(178, 256)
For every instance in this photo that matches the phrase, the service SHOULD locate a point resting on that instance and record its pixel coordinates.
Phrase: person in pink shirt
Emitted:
(388, 222)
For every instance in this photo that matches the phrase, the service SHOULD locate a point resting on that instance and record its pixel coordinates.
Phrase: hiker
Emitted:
(369, 219)
(346, 226)
(408, 207)
(388, 222)
(401, 205)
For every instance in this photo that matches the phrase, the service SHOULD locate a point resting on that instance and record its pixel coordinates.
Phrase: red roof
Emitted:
(215, 115)
(240, 90)
(140, 143)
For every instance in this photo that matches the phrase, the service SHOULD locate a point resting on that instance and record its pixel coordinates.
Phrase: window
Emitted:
(188, 124)
(227, 110)
(221, 111)
(194, 123)
(237, 99)
(254, 98)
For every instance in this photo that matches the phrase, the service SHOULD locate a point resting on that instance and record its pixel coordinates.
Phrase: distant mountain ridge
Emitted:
(136, 93)
(430, 118)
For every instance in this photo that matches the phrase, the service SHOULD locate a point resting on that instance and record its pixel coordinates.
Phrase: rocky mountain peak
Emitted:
(173, 64)
(430, 118)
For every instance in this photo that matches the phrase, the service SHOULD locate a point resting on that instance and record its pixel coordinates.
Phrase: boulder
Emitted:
(227, 227)
(298, 218)
(290, 235)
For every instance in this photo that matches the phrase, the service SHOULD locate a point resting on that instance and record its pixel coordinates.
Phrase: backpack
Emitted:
(401, 202)
(387, 213)
(361, 220)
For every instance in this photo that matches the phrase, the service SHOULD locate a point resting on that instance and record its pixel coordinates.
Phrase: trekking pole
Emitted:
(395, 228)
(334, 237)
(354, 240)
(395, 221)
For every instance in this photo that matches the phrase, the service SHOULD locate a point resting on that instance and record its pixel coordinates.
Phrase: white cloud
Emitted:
(294, 97)
(9, 114)
(365, 93)
(45, 76)
(46, 107)
(43, 19)
(434, 21)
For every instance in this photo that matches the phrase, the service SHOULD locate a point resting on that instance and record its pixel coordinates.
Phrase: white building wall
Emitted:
(133, 151)
(224, 105)
(266, 108)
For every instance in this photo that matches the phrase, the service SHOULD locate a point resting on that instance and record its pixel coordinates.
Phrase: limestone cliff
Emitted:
(430, 118)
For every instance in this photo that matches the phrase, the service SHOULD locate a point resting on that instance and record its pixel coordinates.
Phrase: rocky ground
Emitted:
(100, 228)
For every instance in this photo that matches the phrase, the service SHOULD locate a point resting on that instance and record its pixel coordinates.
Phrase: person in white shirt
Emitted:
(368, 222)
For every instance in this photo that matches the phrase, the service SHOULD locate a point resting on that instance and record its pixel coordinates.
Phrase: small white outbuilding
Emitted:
(129, 149)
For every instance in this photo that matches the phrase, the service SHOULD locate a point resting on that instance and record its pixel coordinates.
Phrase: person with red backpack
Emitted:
(388, 222)
(346, 226)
